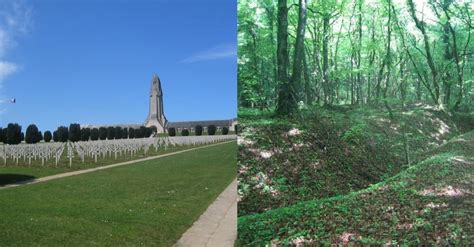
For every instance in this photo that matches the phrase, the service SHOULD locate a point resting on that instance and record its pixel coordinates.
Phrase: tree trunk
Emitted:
(371, 63)
(307, 83)
(429, 58)
(403, 83)
(457, 60)
(299, 52)
(287, 101)
(337, 80)
(282, 58)
(421, 78)
(271, 23)
(327, 87)
(388, 59)
(359, 48)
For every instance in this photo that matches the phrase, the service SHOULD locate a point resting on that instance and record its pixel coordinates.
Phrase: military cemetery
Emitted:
(95, 150)
(171, 159)
(29, 159)
(74, 145)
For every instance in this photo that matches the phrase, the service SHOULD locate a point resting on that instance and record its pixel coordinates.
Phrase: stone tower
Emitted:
(156, 115)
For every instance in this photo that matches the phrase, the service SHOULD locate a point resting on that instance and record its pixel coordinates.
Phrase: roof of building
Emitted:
(134, 126)
(204, 123)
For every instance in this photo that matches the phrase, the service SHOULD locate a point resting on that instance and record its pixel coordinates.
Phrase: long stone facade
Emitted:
(191, 125)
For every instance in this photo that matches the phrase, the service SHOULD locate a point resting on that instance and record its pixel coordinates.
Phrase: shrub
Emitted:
(131, 133)
(184, 132)
(464, 121)
(85, 134)
(143, 132)
(153, 129)
(225, 130)
(63, 133)
(102, 133)
(211, 130)
(94, 134)
(13, 133)
(138, 133)
(198, 130)
(110, 133)
(47, 136)
(4, 136)
(74, 132)
(149, 131)
(55, 136)
(237, 129)
(32, 134)
(118, 132)
(171, 131)
(124, 133)
(356, 134)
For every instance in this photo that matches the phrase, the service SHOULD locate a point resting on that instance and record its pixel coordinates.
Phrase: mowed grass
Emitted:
(148, 203)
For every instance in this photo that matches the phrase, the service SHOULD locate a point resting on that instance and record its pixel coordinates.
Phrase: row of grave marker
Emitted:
(99, 149)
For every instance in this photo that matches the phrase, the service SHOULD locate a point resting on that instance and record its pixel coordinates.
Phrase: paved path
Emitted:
(217, 227)
(74, 173)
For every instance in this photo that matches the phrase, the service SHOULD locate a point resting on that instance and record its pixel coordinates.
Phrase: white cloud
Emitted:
(6, 69)
(15, 20)
(217, 52)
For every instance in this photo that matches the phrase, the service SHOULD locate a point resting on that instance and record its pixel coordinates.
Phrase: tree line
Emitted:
(13, 134)
(300, 53)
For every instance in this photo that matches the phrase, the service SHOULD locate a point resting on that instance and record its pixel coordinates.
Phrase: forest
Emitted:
(354, 52)
(356, 122)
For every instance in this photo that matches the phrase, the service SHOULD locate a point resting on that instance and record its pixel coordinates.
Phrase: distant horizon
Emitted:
(24, 126)
(181, 121)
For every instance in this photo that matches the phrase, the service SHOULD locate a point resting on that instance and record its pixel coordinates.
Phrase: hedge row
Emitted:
(13, 134)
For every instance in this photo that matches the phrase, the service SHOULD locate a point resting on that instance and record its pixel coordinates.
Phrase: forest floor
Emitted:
(351, 174)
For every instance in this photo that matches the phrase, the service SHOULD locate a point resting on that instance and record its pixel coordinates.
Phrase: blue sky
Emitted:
(92, 61)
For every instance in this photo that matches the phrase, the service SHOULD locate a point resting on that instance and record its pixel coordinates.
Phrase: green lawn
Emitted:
(149, 203)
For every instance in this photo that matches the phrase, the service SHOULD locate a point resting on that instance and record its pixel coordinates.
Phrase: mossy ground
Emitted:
(341, 176)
